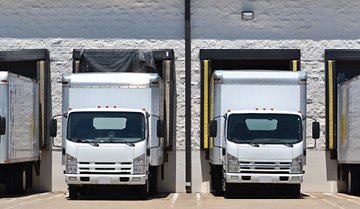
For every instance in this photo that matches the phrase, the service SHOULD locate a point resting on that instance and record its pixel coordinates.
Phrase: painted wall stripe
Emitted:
(294, 65)
(206, 104)
(331, 104)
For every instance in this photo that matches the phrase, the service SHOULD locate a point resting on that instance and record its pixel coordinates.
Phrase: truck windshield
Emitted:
(106, 127)
(264, 128)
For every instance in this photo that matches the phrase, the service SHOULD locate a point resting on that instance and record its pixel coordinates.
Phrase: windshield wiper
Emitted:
(245, 142)
(85, 141)
(252, 144)
(120, 140)
(287, 144)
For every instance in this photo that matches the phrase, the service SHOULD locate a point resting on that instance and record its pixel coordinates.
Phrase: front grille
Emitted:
(105, 168)
(265, 167)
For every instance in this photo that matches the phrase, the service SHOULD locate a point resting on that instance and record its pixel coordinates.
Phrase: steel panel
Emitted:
(348, 121)
(22, 119)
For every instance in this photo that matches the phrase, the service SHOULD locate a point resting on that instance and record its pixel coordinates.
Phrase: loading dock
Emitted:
(150, 61)
(341, 74)
(247, 71)
(35, 64)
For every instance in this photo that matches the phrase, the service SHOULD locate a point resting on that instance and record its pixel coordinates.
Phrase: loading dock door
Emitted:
(237, 59)
(340, 65)
(35, 64)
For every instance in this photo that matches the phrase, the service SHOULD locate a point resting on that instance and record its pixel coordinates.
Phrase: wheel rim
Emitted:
(23, 180)
(349, 182)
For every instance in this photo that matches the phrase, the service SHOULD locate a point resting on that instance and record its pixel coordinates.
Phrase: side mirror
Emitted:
(53, 127)
(160, 128)
(315, 130)
(213, 128)
(2, 125)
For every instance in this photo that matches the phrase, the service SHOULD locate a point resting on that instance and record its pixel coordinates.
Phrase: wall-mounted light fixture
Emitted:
(247, 15)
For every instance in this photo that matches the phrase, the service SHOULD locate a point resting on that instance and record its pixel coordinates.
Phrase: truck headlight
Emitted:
(297, 165)
(71, 164)
(232, 164)
(139, 165)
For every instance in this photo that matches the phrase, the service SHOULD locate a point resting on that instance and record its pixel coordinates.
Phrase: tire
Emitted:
(143, 191)
(216, 183)
(153, 180)
(16, 180)
(9, 183)
(73, 192)
(229, 191)
(352, 182)
(294, 191)
(22, 181)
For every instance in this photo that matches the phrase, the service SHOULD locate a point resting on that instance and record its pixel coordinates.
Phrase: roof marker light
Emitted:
(69, 108)
(229, 110)
(4, 81)
(107, 106)
(264, 108)
(257, 108)
(115, 106)
(271, 108)
(99, 106)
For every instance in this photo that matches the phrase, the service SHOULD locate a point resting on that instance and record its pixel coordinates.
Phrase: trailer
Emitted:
(348, 139)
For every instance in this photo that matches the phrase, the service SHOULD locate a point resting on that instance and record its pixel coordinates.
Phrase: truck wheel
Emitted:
(153, 177)
(16, 181)
(229, 191)
(352, 182)
(10, 182)
(143, 191)
(294, 191)
(22, 181)
(73, 192)
(216, 175)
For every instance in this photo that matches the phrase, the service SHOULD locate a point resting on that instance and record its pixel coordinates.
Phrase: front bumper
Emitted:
(264, 178)
(85, 179)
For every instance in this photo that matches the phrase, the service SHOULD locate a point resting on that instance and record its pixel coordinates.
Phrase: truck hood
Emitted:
(265, 153)
(105, 154)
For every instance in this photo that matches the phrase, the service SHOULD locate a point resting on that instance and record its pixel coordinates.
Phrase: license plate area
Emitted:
(104, 180)
(265, 179)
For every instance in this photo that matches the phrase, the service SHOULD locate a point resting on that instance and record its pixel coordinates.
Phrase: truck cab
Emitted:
(263, 147)
(106, 146)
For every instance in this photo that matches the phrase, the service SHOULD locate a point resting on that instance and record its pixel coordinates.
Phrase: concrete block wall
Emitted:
(62, 26)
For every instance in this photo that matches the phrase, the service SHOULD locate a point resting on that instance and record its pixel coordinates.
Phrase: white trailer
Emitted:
(348, 138)
(113, 130)
(19, 129)
(258, 129)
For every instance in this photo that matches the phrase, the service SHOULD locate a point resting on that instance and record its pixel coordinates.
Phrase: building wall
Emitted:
(62, 26)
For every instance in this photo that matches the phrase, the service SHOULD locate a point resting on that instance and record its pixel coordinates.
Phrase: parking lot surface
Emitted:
(59, 200)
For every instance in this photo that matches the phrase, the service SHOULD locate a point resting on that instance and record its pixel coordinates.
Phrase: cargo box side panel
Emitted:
(23, 120)
(349, 120)
(3, 113)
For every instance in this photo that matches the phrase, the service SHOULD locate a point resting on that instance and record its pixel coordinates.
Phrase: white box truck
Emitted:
(19, 130)
(113, 130)
(258, 129)
(348, 138)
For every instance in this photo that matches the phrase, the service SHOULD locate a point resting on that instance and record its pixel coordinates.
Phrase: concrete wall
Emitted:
(62, 26)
